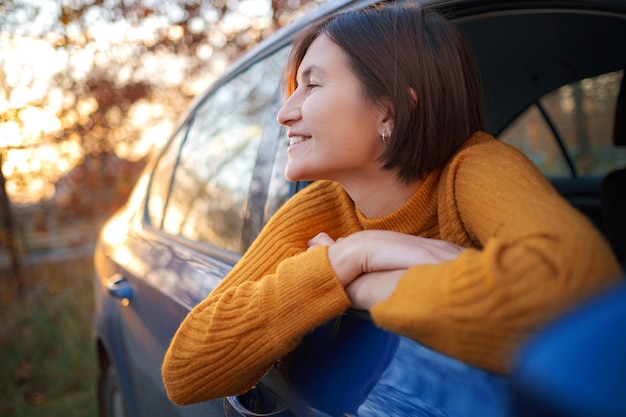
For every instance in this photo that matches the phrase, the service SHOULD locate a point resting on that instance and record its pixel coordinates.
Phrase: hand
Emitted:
(370, 289)
(380, 250)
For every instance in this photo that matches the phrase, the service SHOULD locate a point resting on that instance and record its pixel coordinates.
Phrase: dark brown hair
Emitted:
(394, 50)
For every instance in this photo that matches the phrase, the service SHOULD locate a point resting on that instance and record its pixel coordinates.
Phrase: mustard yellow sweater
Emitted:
(531, 256)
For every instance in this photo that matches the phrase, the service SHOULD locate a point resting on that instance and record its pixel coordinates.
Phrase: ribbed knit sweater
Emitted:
(530, 256)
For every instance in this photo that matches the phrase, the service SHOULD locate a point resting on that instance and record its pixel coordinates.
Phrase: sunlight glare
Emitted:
(105, 34)
(55, 100)
(10, 134)
(37, 121)
(167, 68)
(44, 153)
(19, 97)
(255, 8)
(86, 106)
(4, 104)
(69, 119)
(17, 160)
(34, 190)
(175, 32)
(27, 60)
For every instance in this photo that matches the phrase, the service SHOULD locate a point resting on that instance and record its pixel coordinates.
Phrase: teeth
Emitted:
(296, 139)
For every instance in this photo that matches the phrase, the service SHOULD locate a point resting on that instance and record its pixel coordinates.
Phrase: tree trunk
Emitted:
(8, 240)
(584, 162)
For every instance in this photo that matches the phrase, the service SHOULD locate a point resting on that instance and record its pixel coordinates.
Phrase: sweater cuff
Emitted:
(450, 308)
(420, 306)
(305, 295)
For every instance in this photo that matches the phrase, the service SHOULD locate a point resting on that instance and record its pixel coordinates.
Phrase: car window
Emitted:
(569, 132)
(214, 170)
(162, 178)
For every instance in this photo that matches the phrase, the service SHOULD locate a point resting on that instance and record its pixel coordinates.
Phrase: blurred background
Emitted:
(88, 89)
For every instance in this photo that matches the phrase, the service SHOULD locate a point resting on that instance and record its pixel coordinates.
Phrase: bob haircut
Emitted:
(414, 58)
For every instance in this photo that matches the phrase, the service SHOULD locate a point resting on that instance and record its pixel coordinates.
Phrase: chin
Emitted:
(294, 174)
(308, 171)
(290, 176)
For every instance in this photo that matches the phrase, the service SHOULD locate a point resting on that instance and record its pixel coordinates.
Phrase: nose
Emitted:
(290, 111)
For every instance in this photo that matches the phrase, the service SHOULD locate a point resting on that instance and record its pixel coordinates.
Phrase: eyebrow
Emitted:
(310, 70)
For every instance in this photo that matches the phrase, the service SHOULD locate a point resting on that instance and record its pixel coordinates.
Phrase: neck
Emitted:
(381, 196)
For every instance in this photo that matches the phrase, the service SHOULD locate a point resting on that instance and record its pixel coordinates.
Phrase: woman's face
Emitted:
(334, 130)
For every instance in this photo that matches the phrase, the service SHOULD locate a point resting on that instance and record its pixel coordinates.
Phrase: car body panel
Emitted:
(576, 366)
(138, 329)
(388, 375)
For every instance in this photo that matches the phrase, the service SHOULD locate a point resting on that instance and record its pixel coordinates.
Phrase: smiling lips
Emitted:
(298, 139)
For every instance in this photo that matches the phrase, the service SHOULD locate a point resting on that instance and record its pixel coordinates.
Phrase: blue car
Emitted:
(553, 86)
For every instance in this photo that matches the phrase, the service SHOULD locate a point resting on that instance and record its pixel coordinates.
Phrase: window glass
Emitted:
(583, 115)
(213, 175)
(531, 134)
(161, 179)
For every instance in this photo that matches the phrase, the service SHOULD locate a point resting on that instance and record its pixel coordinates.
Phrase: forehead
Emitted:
(323, 57)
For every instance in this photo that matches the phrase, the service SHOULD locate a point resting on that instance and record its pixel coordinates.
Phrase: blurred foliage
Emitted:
(84, 77)
(48, 366)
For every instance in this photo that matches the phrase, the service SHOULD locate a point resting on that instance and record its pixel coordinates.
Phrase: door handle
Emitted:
(257, 402)
(119, 287)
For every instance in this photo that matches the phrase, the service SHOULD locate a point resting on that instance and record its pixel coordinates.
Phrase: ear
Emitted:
(413, 95)
(386, 120)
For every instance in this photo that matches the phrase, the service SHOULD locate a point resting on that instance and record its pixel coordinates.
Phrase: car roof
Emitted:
(523, 49)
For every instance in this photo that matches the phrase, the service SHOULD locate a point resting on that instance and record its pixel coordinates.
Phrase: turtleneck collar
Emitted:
(417, 216)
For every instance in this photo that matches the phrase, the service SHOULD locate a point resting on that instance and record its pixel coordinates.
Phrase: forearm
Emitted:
(230, 339)
(479, 307)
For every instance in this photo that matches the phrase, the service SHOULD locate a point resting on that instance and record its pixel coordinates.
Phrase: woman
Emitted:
(444, 234)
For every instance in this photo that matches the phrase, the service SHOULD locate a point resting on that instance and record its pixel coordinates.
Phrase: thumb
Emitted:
(320, 240)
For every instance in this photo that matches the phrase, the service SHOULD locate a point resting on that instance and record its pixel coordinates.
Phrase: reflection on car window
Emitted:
(213, 175)
(582, 114)
(161, 178)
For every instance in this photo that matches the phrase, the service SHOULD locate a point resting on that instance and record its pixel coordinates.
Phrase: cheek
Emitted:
(316, 110)
(342, 117)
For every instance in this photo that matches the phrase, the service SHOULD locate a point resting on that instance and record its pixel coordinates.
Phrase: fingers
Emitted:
(341, 258)
(370, 289)
(320, 240)
(386, 250)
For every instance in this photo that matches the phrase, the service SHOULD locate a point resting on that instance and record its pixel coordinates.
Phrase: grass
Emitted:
(47, 361)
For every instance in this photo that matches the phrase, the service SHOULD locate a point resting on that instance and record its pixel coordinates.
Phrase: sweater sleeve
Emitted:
(537, 256)
(276, 294)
